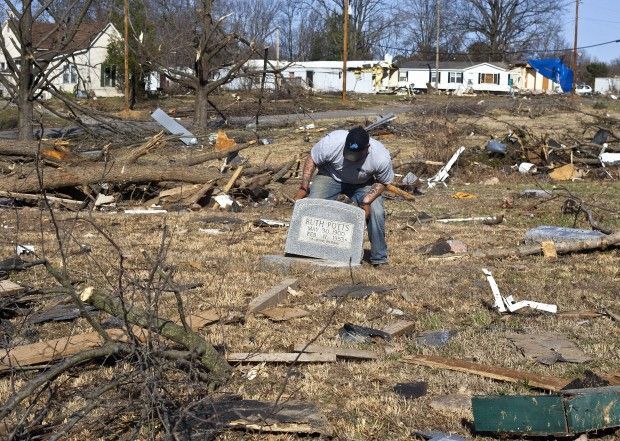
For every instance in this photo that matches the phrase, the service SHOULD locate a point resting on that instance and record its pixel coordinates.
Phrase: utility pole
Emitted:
(345, 48)
(127, 56)
(575, 45)
(437, 47)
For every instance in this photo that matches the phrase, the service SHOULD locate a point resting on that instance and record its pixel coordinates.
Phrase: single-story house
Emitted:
(607, 86)
(494, 77)
(323, 76)
(84, 69)
(528, 79)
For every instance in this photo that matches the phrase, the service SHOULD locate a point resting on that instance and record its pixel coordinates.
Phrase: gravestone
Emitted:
(327, 230)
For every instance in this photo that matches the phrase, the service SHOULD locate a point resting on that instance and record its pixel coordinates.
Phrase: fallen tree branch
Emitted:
(210, 358)
(199, 159)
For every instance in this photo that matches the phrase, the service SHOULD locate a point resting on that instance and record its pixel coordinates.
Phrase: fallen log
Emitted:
(597, 243)
(111, 173)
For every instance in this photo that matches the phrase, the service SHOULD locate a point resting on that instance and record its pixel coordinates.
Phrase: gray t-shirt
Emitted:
(327, 154)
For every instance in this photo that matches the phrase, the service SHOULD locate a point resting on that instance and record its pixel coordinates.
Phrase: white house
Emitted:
(84, 69)
(495, 77)
(607, 86)
(323, 76)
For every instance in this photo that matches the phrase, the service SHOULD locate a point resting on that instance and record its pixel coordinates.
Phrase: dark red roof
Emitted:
(49, 39)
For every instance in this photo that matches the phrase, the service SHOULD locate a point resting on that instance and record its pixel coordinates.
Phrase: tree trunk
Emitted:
(24, 102)
(114, 173)
(201, 118)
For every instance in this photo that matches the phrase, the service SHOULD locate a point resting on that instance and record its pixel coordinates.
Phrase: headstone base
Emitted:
(288, 263)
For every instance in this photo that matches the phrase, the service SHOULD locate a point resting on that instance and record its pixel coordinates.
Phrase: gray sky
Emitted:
(599, 21)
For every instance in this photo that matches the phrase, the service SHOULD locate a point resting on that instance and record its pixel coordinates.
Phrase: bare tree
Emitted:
(510, 25)
(418, 23)
(373, 21)
(40, 55)
(197, 50)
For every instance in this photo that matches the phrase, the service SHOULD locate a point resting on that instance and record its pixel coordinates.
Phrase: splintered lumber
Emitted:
(232, 179)
(39, 197)
(112, 173)
(399, 328)
(8, 288)
(358, 354)
(142, 150)
(209, 357)
(280, 357)
(597, 243)
(199, 159)
(497, 373)
(272, 297)
(285, 168)
(198, 195)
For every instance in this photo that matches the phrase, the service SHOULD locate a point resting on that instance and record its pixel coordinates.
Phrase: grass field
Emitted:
(358, 397)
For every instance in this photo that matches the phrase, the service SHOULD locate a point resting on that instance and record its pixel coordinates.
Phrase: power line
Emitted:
(522, 51)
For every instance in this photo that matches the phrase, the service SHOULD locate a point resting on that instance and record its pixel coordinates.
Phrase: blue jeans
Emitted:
(324, 187)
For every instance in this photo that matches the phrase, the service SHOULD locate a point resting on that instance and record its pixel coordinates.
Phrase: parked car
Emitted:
(583, 89)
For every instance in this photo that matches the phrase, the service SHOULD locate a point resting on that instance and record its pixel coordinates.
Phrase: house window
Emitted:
(485, 78)
(2, 65)
(455, 77)
(108, 76)
(433, 72)
(402, 76)
(69, 74)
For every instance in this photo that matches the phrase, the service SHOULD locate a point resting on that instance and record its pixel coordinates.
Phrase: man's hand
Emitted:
(301, 193)
(366, 208)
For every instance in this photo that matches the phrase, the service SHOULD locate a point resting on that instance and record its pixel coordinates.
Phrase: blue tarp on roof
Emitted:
(555, 70)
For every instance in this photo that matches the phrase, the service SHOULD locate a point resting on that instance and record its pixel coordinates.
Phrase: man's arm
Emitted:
(306, 177)
(375, 191)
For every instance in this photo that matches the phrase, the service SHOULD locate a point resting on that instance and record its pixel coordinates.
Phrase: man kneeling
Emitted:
(353, 164)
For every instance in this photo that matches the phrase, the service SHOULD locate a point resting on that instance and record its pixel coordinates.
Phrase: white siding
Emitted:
(607, 85)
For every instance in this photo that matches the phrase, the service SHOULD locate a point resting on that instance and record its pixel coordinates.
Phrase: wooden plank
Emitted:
(534, 415)
(232, 179)
(50, 350)
(8, 288)
(280, 357)
(399, 327)
(497, 373)
(272, 297)
(338, 352)
(280, 314)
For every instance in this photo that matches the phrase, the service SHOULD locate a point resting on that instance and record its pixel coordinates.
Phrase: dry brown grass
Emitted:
(357, 397)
